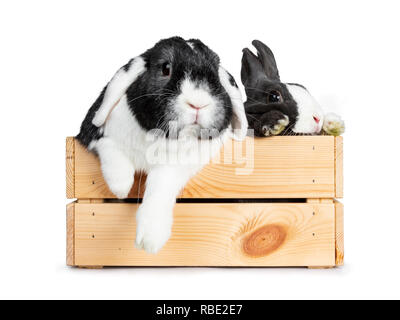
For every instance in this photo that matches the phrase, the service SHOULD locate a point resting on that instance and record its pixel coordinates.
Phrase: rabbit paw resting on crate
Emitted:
(271, 123)
(333, 124)
(276, 108)
(156, 115)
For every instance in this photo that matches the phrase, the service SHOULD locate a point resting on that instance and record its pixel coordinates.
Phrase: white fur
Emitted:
(169, 163)
(333, 124)
(117, 169)
(239, 122)
(308, 108)
(197, 95)
(116, 89)
(190, 44)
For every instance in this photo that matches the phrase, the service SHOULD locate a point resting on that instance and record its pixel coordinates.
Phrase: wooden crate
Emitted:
(284, 167)
(263, 230)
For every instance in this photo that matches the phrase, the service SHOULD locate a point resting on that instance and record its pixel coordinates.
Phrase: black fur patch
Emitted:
(128, 65)
(90, 132)
(232, 81)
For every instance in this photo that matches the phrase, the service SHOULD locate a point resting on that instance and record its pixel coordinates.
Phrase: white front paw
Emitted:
(121, 187)
(333, 124)
(152, 231)
(119, 174)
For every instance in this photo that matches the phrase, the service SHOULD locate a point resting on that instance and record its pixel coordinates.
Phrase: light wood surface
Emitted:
(319, 200)
(90, 200)
(71, 234)
(339, 225)
(339, 167)
(284, 167)
(229, 234)
(70, 167)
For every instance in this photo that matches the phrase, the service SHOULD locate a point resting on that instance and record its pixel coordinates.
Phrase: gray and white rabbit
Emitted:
(171, 103)
(273, 107)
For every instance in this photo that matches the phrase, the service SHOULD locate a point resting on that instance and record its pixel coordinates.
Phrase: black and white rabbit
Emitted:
(162, 106)
(273, 107)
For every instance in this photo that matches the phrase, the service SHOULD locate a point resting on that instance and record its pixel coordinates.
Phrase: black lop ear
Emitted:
(267, 60)
(252, 69)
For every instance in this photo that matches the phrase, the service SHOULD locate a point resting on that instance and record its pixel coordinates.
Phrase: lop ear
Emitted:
(267, 60)
(117, 87)
(239, 119)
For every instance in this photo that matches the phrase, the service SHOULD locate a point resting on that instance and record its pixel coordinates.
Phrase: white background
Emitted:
(57, 56)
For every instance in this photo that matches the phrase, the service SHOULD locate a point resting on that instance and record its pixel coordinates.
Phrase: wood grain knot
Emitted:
(264, 240)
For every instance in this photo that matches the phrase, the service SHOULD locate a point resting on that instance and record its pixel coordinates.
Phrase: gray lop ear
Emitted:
(267, 60)
(239, 120)
(117, 87)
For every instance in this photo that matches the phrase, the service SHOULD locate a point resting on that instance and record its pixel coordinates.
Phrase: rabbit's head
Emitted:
(176, 82)
(266, 92)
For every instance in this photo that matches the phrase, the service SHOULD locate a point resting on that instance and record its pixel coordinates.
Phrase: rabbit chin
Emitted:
(308, 108)
(204, 122)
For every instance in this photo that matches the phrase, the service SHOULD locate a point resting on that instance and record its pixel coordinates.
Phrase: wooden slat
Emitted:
(90, 200)
(71, 234)
(284, 167)
(326, 200)
(319, 200)
(235, 234)
(339, 167)
(339, 225)
(70, 167)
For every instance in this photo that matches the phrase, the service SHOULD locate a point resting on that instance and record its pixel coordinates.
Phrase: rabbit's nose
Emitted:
(316, 119)
(196, 106)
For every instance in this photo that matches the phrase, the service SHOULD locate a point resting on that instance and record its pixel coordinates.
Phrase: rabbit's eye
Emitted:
(274, 96)
(166, 69)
